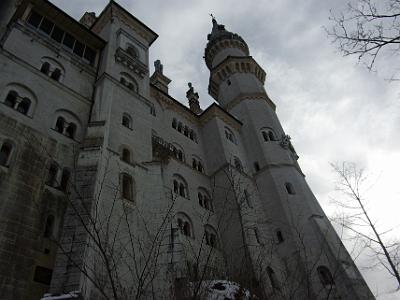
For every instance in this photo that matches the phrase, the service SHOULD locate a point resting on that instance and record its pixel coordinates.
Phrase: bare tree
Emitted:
(358, 221)
(367, 29)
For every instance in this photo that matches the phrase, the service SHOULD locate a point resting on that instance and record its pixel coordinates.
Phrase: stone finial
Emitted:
(158, 67)
(193, 98)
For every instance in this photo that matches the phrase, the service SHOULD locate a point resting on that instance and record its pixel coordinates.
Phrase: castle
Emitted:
(112, 188)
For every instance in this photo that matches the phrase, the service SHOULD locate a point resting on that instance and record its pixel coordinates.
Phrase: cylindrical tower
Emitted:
(309, 250)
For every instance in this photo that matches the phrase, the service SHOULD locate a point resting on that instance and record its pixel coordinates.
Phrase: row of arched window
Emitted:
(268, 135)
(185, 227)
(184, 129)
(324, 274)
(24, 106)
(180, 188)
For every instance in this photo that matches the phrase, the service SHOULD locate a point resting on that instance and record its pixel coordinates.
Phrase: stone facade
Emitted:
(111, 187)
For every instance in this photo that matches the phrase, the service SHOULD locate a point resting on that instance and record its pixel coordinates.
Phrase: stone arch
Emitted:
(185, 224)
(54, 68)
(180, 186)
(128, 81)
(68, 124)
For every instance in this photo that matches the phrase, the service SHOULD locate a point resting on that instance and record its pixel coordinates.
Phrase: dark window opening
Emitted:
(182, 191)
(79, 48)
(23, 106)
(279, 236)
(127, 187)
(65, 180)
(46, 26)
(200, 167)
(5, 153)
(90, 55)
(68, 40)
(256, 235)
(271, 136)
(194, 164)
(34, 19)
(126, 155)
(176, 187)
(325, 276)
(45, 68)
(200, 196)
(11, 99)
(57, 34)
(174, 123)
(42, 275)
(60, 125)
(289, 188)
(56, 75)
(126, 121)
(49, 227)
(256, 166)
(52, 175)
(70, 131)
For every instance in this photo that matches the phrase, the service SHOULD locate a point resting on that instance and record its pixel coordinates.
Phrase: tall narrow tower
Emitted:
(304, 257)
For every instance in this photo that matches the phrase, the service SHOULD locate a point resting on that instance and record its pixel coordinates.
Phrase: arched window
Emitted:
(191, 134)
(325, 276)
(256, 166)
(182, 190)
(127, 186)
(127, 121)
(279, 236)
(289, 188)
(65, 180)
(56, 74)
(268, 135)
(200, 167)
(52, 175)
(70, 130)
(180, 155)
(126, 155)
(210, 236)
(185, 225)
(200, 196)
(60, 125)
(180, 127)
(229, 135)
(248, 199)
(5, 154)
(180, 186)
(49, 227)
(45, 68)
(176, 187)
(11, 99)
(174, 123)
(186, 131)
(205, 200)
(132, 51)
(23, 106)
(194, 163)
(272, 278)
(238, 164)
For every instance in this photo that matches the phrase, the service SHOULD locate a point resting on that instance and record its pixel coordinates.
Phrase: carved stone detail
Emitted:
(133, 64)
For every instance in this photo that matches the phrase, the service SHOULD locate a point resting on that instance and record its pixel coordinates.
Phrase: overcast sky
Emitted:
(332, 107)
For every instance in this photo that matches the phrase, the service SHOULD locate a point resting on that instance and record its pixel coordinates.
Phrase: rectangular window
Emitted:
(43, 275)
(68, 40)
(79, 48)
(46, 26)
(34, 19)
(57, 34)
(90, 55)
